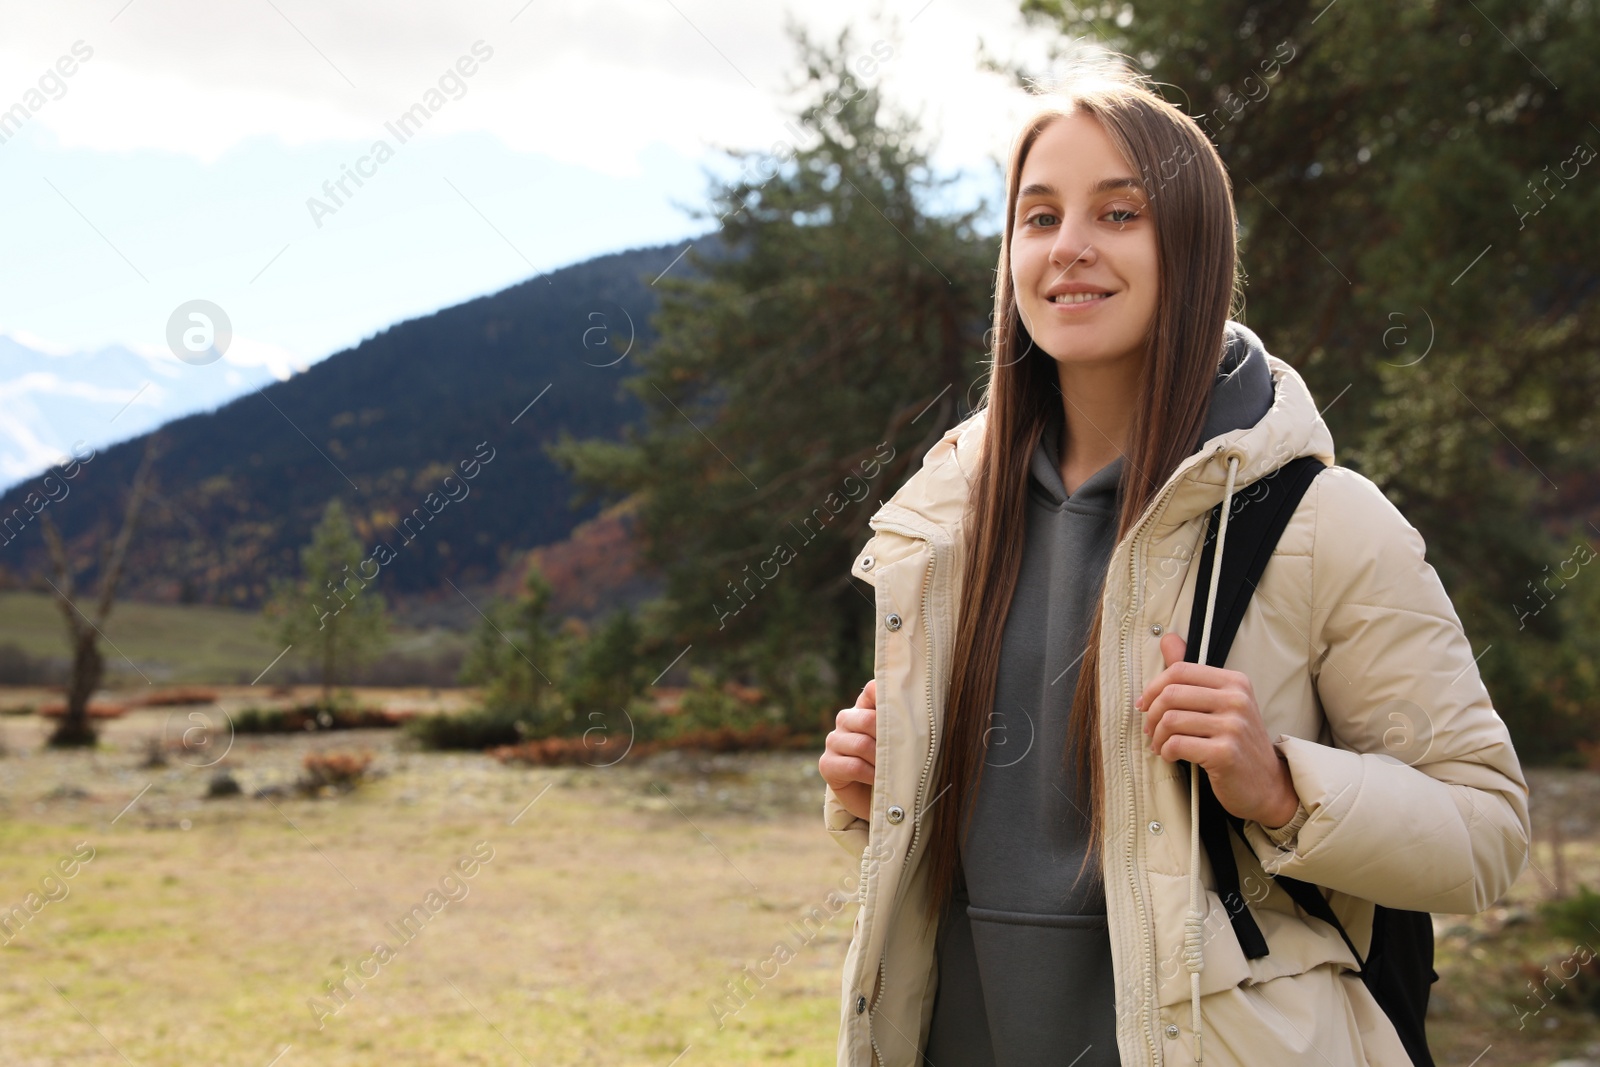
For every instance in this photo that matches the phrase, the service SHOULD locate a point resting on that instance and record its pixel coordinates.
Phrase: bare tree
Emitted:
(84, 633)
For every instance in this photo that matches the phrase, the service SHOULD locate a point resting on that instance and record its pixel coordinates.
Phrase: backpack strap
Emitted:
(1398, 967)
(1260, 514)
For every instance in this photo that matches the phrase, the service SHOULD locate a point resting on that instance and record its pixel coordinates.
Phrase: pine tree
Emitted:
(1419, 213)
(334, 613)
(796, 382)
(516, 658)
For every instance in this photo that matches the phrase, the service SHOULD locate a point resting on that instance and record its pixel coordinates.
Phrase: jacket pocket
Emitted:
(883, 550)
(1323, 1015)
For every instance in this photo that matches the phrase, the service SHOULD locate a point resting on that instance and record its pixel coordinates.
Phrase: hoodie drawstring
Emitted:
(1193, 955)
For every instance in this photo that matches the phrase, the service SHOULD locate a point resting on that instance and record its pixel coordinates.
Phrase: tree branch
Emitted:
(58, 560)
(111, 574)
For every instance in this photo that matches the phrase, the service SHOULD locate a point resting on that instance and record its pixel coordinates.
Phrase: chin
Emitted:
(1084, 346)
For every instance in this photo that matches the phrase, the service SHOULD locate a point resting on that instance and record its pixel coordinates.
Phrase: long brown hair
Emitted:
(1199, 288)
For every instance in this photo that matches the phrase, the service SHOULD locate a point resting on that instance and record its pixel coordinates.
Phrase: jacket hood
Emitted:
(1290, 428)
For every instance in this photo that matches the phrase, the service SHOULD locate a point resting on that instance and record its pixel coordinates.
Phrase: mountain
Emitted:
(431, 433)
(49, 401)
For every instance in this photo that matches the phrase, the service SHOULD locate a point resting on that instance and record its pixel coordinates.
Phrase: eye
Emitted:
(1128, 213)
(1034, 218)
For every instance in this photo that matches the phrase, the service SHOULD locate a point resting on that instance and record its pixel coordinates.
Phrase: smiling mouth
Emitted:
(1077, 300)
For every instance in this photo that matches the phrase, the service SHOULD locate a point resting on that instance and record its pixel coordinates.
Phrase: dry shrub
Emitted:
(340, 771)
(314, 717)
(551, 751)
(98, 709)
(180, 696)
(762, 737)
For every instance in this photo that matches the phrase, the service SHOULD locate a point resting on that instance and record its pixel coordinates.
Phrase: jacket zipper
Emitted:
(916, 825)
(1127, 762)
(916, 830)
(1127, 758)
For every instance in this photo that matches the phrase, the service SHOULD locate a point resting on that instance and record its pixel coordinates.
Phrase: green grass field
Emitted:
(616, 906)
(603, 929)
(175, 643)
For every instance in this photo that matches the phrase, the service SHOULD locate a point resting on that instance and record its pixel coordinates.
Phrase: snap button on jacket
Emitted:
(1411, 793)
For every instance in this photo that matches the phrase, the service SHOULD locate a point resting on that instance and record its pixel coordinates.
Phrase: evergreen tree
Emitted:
(608, 669)
(1419, 210)
(333, 613)
(515, 657)
(795, 383)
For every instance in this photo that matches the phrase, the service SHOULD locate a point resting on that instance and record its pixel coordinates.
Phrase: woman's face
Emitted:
(1084, 230)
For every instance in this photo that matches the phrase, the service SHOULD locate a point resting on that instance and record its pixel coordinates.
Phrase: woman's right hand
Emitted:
(851, 752)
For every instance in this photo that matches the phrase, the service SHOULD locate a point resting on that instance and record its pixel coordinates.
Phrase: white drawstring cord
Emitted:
(1193, 956)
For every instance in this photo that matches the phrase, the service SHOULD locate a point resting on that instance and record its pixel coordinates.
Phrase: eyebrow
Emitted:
(1104, 185)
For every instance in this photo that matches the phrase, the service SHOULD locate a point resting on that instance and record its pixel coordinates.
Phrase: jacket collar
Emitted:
(1292, 427)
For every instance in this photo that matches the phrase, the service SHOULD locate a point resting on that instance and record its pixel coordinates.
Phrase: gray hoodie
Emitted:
(1024, 958)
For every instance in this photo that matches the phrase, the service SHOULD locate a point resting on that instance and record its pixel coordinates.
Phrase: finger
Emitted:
(1185, 673)
(869, 695)
(1184, 724)
(1190, 698)
(855, 743)
(1172, 648)
(859, 720)
(857, 799)
(847, 719)
(1206, 710)
(840, 771)
(1196, 750)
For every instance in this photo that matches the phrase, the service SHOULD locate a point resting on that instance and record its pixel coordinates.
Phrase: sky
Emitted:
(154, 153)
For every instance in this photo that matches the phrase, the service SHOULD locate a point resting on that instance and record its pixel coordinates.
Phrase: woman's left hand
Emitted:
(1208, 715)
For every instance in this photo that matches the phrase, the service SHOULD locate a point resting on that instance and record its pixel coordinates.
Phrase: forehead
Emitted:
(1071, 155)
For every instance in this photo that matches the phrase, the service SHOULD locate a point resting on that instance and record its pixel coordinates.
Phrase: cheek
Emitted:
(1145, 274)
(1019, 269)
(1151, 262)
(1027, 268)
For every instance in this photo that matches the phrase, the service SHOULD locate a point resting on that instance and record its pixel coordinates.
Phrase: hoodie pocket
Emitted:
(1047, 986)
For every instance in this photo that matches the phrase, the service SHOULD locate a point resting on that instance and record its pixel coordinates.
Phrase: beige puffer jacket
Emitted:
(1411, 794)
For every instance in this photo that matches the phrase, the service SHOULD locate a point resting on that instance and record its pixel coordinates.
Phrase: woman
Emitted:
(1009, 777)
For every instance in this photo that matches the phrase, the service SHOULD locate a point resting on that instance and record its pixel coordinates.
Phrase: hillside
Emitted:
(431, 433)
(175, 644)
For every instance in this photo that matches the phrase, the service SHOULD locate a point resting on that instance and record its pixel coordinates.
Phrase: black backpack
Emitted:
(1398, 969)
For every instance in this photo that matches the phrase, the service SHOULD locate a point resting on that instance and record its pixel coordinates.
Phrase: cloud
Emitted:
(47, 383)
(190, 142)
(51, 398)
(245, 353)
(22, 454)
(39, 344)
(589, 84)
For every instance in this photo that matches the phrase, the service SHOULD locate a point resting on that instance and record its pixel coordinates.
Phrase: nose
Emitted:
(1070, 248)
